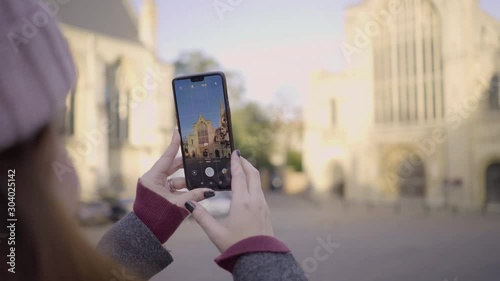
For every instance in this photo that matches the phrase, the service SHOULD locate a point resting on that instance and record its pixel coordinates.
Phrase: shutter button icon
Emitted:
(209, 172)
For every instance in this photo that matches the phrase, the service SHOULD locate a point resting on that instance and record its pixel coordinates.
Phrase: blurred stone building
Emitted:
(120, 115)
(416, 112)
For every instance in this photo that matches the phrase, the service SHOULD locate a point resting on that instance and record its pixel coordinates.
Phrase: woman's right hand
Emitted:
(249, 213)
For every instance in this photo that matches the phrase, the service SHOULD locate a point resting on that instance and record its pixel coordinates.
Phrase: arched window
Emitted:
(117, 102)
(70, 114)
(493, 183)
(202, 134)
(408, 68)
(494, 92)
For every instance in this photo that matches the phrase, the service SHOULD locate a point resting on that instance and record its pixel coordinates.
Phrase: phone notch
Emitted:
(199, 78)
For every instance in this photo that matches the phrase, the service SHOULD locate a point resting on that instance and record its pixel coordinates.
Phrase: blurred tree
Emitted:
(253, 134)
(294, 160)
(194, 62)
(197, 62)
(235, 88)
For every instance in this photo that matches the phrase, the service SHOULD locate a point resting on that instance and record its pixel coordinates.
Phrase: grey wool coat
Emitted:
(130, 243)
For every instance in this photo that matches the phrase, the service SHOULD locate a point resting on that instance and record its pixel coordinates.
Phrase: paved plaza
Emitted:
(365, 244)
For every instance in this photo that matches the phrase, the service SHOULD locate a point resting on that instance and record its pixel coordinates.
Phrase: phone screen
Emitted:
(205, 129)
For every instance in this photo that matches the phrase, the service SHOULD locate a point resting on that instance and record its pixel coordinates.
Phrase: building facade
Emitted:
(208, 141)
(416, 112)
(120, 115)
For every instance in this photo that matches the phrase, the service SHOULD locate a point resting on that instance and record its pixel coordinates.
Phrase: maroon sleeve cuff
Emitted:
(157, 213)
(255, 244)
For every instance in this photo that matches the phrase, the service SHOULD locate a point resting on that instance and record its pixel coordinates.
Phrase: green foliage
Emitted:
(197, 62)
(253, 134)
(235, 88)
(294, 160)
(194, 62)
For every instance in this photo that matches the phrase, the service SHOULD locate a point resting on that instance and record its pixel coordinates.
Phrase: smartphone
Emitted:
(204, 122)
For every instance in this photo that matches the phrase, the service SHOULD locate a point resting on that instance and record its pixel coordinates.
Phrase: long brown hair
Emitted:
(48, 245)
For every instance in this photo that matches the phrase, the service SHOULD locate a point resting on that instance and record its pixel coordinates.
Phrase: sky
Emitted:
(275, 45)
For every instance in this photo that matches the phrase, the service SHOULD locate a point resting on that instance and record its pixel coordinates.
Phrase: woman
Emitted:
(43, 243)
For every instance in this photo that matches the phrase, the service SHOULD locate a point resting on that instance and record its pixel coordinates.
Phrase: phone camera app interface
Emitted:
(204, 131)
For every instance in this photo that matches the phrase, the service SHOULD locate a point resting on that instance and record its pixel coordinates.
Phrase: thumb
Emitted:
(212, 227)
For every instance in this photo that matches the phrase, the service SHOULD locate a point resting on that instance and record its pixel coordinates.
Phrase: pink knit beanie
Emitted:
(36, 69)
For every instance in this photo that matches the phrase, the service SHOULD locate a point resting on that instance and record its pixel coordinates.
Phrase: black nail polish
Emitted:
(208, 194)
(238, 152)
(190, 206)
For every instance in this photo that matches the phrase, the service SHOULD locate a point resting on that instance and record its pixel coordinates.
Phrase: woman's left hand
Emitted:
(157, 178)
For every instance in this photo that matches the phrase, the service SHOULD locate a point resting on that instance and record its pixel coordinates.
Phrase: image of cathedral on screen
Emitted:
(208, 141)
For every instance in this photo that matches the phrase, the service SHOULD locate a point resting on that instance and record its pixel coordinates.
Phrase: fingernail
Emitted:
(190, 206)
(208, 194)
(238, 152)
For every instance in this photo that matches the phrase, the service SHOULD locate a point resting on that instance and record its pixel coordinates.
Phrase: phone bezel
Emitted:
(228, 113)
